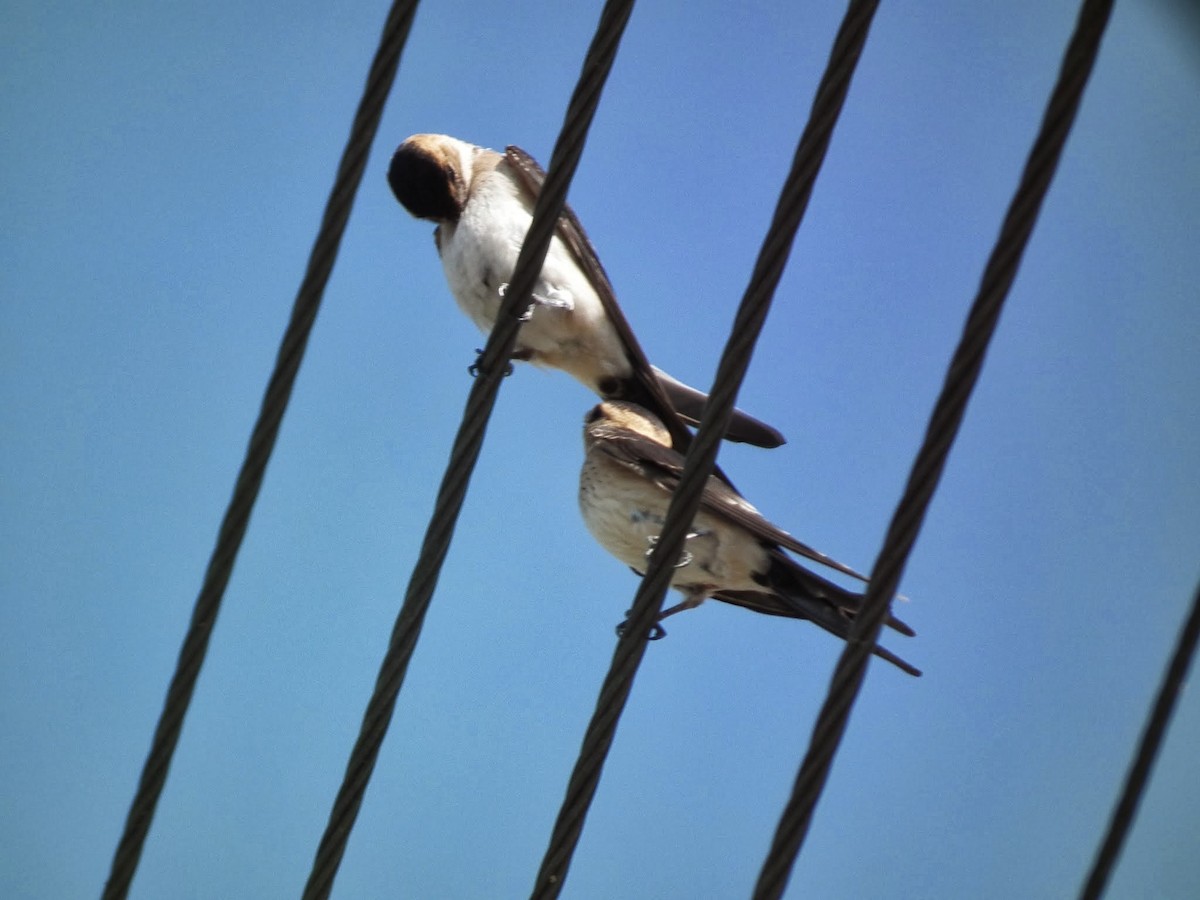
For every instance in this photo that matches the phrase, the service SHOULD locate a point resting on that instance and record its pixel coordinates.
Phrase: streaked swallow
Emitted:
(482, 202)
(732, 553)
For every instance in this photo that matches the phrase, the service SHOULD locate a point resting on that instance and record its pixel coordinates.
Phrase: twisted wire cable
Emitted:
(262, 441)
(1148, 747)
(748, 323)
(943, 426)
(466, 448)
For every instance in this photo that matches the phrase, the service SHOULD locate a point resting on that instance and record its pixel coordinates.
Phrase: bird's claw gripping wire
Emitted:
(473, 369)
(657, 632)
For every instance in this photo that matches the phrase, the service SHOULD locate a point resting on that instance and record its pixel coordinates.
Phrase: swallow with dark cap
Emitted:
(732, 552)
(482, 202)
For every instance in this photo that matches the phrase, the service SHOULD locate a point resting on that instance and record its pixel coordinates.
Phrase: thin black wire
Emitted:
(1148, 747)
(258, 453)
(751, 315)
(947, 415)
(467, 444)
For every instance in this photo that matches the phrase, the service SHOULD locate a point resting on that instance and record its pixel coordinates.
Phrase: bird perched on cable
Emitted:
(482, 202)
(731, 553)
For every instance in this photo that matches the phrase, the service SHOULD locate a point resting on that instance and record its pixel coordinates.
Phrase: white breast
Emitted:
(480, 251)
(479, 254)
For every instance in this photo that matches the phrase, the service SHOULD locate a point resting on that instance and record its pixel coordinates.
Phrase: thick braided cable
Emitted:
(701, 456)
(258, 453)
(1148, 746)
(947, 415)
(467, 444)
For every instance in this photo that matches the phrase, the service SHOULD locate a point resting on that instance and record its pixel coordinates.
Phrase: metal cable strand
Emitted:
(947, 415)
(1148, 747)
(701, 456)
(466, 448)
(262, 441)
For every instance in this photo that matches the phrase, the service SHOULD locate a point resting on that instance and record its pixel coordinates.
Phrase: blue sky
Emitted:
(164, 170)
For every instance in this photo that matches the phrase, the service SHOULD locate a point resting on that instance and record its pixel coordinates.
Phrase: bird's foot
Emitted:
(473, 369)
(657, 632)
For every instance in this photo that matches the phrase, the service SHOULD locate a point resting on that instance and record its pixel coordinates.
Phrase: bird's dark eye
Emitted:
(594, 415)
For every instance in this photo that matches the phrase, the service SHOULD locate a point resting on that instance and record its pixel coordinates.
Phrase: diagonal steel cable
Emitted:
(748, 323)
(943, 426)
(467, 444)
(1143, 761)
(262, 440)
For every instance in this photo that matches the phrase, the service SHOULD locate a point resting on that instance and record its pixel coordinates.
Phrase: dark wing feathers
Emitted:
(664, 465)
(823, 616)
(649, 393)
(792, 580)
(690, 404)
(650, 387)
